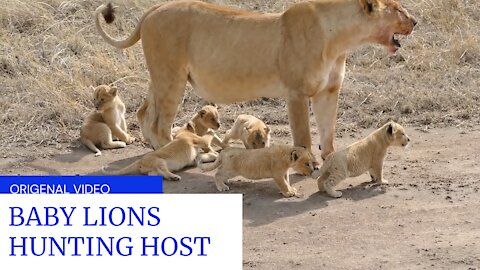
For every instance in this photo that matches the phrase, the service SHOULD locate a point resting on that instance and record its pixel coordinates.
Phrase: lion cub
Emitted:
(272, 162)
(365, 155)
(251, 131)
(174, 156)
(108, 119)
(204, 121)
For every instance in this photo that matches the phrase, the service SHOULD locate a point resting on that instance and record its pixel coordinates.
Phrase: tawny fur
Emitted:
(108, 119)
(207, 120)
(230, 55)
(176, 155)
(272, 162)
(250, 130)
(366, 155)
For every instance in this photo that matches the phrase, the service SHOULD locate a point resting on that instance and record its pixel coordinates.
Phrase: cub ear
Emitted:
(369, 6)
(294, 156)
(202, 112)
(113, 91)
(213, 104)
(391, 128)
(190, 127)
(267, 130)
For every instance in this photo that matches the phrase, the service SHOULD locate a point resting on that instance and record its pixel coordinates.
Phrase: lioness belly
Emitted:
(231, 90)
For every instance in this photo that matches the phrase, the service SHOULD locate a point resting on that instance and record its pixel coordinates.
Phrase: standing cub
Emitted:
(365, 155)
(273, 162)
(251, 131)
(108, 119)
(174, 156)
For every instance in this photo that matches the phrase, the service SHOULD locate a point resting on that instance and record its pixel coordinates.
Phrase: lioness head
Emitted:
(103, 96)
(397, 134)
(257, 137)
(391, 20)
(303, 160)
(209, 117)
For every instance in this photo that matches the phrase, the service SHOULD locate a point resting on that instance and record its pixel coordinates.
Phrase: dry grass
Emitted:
(50, 53)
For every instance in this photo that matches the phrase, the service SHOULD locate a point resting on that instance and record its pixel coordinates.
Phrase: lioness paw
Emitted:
(97, 154)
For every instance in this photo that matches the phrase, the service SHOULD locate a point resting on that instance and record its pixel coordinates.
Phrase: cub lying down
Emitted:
(108, 119)
(272, 162)
(250, 130)
(174, 156)
(365, 155)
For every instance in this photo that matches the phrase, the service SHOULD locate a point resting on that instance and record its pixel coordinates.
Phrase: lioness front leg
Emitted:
(283, 184)
(298, 118)
(324, 106)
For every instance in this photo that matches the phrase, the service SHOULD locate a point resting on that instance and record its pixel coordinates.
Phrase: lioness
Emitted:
(251, 130)
(272, 162)
(174, 156)
(108, 118)
(365, 155)
(231, 55)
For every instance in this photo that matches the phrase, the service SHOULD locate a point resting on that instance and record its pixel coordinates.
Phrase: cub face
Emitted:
(103, 96)
(209, 117)
(303, 161)
(398, 135)
(257, 137)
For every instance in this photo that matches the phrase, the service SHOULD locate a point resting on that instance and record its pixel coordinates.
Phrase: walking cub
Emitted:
(174, 156)
(365, 155)
(272, 162)
(250, 130)
(107, 119)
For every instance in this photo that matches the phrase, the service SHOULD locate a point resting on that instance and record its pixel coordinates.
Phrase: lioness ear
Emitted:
(369, 6)
(267, 130)
(294, 155)
(113, 91)
(212, 104)
(202, 113)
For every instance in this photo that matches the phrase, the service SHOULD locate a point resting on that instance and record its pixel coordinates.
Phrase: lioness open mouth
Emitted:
(396, 41)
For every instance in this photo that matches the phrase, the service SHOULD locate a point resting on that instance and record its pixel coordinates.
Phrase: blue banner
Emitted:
(81, 184)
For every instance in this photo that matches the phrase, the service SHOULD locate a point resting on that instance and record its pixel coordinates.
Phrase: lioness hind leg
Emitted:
(169, 77)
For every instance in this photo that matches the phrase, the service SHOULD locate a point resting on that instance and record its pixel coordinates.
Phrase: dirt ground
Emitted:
(426, 218)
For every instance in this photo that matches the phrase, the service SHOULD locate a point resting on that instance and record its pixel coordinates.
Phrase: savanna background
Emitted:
(50, 55)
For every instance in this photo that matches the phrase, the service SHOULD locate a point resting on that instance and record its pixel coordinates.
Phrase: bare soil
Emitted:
(426, 218)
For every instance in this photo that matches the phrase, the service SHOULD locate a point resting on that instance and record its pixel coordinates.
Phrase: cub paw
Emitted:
(130, 140)
(290, 193)
(175, 178)
(335, 194)
(222, 187)
(382, 181)
(97, 154)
